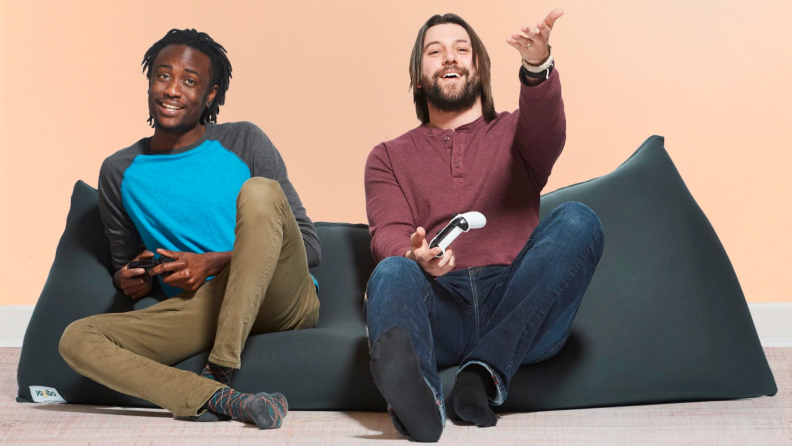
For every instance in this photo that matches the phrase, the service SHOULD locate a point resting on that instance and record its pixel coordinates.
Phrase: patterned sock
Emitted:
(222, 375)
(218, 373)
(266, 410)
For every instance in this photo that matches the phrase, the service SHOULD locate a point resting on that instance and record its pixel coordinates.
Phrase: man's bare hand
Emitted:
(533, 44)
(420, 252)
(189, 270)
(135, 283)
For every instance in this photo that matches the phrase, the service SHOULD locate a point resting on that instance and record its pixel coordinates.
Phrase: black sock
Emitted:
(398, 376)
(470, 396)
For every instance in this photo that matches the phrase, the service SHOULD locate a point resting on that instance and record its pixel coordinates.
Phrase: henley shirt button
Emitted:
(456, 164)
(447, 138)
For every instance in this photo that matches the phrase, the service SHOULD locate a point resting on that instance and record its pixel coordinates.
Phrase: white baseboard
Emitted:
(773, 322)
(14, 320)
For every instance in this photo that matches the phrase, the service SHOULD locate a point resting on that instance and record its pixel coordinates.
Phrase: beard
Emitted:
(460, 99)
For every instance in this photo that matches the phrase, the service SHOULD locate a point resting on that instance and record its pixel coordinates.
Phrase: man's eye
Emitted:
(433, 52)
(464, 50)
(163, 76)
(190, 82)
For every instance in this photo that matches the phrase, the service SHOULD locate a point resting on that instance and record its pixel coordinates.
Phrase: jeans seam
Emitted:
(554, 294)
(475, 304)
(428, 290)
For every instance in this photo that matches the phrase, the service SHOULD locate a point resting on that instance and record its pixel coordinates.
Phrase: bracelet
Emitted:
(538, 68)
(541, 71)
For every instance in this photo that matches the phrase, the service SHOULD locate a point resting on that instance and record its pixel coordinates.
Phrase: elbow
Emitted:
(314, 257)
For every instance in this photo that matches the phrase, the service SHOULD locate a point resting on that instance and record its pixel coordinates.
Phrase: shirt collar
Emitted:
(470, 127)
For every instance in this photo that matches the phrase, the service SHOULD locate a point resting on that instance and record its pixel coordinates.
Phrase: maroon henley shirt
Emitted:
(498, 168)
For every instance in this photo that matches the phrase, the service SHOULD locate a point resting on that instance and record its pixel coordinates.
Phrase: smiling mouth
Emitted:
(170, 107)
(452, 76)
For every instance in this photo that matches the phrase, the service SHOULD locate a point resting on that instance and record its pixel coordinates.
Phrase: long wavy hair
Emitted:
(481, 63)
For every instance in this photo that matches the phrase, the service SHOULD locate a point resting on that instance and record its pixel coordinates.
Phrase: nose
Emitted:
(449, 58)
(173, 89)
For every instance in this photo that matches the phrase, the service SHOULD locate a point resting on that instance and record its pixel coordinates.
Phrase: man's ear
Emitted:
(212, 94)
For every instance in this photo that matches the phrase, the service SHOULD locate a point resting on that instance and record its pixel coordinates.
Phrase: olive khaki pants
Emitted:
(265, 289)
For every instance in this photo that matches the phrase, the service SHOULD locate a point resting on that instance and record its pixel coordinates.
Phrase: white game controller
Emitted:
(459, 224)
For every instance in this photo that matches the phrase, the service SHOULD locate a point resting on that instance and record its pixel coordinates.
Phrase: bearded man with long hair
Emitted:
(501, 296)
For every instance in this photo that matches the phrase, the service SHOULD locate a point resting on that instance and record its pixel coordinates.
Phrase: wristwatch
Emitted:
(541, 71)
(543, 75)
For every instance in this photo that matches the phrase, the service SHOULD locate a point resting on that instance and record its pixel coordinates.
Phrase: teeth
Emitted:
(451, 75)
(171, 107)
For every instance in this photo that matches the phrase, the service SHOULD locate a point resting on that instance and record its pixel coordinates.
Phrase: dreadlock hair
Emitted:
(220, 71)
(481, 62)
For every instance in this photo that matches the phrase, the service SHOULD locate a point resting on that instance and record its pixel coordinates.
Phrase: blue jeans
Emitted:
(499, 317)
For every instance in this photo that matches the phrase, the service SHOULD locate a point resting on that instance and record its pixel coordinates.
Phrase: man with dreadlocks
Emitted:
(506, 294)
(216, 200)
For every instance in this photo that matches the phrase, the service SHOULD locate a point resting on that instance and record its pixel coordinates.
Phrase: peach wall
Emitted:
(328, 81)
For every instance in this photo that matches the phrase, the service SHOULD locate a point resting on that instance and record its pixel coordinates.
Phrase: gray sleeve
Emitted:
(254, 147)
(125, 241)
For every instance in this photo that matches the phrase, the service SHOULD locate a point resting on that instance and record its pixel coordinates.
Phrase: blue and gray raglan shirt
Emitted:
(185, 199)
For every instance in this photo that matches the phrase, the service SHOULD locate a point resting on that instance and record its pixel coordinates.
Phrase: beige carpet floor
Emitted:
(760, 421)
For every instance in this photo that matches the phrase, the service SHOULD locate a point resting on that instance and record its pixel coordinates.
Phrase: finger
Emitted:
(514, 43)
(130, 273)
(187, 283)
(134, 288)
(134, 282)
(176, 265)
(427, 255)
(168, 253)
(177, 277)
(145, 255)
(448, 257)
(530, 32)
(417, 239)
(414, 242)
(553, 16)
(139, 291)
(544, 30)
(442, 261)
(522, 40)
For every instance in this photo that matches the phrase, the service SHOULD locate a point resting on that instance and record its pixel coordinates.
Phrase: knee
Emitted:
(393, 273)
(581, 221)
(394, 269)
(259, 194)
(74, 341)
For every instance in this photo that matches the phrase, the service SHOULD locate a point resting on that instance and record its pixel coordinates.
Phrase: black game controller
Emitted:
(148, 264)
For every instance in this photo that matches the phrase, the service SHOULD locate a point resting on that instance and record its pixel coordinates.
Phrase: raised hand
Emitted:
(420, 252)
(534, 46)
(135, 283)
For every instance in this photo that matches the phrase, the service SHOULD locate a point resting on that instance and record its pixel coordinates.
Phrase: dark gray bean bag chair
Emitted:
(664, 319)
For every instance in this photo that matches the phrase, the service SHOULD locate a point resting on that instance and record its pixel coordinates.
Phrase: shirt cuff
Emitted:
(550, 86)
